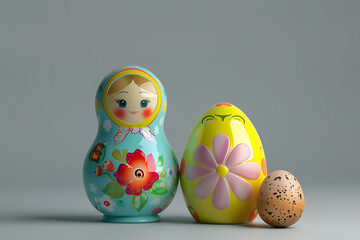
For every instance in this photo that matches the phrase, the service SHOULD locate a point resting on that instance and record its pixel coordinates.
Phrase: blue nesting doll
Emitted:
(130, 171)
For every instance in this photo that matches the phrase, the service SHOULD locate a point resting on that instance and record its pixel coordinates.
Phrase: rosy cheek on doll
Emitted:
(120, 113)
(146, 113)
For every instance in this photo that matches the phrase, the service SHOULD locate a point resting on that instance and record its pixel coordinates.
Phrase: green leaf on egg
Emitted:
(158, 188)
(139, 202)
(114, 190)
(117, 155)
(163, 174)
(160, 163)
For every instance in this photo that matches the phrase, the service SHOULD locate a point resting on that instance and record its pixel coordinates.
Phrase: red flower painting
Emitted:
(138, 174)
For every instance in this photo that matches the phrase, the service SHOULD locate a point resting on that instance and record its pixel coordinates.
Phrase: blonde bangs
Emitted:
(140, 81)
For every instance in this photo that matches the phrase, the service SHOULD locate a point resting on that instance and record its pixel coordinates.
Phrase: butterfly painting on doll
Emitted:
(132, 99)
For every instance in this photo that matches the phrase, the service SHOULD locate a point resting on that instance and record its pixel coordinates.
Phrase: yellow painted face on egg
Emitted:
(223, 167)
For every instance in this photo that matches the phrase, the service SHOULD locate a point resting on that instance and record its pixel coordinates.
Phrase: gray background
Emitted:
(292, 66)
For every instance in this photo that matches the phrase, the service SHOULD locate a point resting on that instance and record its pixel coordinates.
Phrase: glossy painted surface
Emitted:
(223, 166)
(130, 172)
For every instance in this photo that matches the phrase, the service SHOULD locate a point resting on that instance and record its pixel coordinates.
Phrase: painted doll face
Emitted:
(133, 103)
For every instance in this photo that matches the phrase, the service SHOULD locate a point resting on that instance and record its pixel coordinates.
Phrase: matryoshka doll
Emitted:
(130, 172)
(223, 167)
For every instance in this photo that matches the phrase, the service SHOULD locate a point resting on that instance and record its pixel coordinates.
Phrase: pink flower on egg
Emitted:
(223, 171)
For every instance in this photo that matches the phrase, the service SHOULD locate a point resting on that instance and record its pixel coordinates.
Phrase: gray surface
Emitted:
(292, 67)
(64, 214)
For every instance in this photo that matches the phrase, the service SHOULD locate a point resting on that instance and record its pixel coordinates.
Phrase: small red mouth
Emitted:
(133, 112)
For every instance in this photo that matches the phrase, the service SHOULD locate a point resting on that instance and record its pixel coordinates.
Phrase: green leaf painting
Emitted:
(160, 163)
(114, 190)
(163, 174)
(158, 188)
(139, 202)
(117, 155)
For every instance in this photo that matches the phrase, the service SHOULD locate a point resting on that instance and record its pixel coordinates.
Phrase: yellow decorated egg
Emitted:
(223, 166)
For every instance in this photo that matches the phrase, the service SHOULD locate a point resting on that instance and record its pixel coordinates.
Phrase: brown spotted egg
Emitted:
(280, 200)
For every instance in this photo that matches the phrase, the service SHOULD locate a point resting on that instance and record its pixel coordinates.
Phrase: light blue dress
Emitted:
(130, 172)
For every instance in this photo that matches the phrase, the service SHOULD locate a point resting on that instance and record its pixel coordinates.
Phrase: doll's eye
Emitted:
(121, 103)
(144, 103)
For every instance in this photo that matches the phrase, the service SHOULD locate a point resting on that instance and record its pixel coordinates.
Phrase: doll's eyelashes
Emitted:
(144, 103)
(121, 103)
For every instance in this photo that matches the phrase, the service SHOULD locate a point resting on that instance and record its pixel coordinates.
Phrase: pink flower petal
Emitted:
(204, 187)
(249, 170)
(194, 172)
(221, 197)
(241, 188)
(203, 156)
(239, 154)
(220, 146)
(151, 163)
